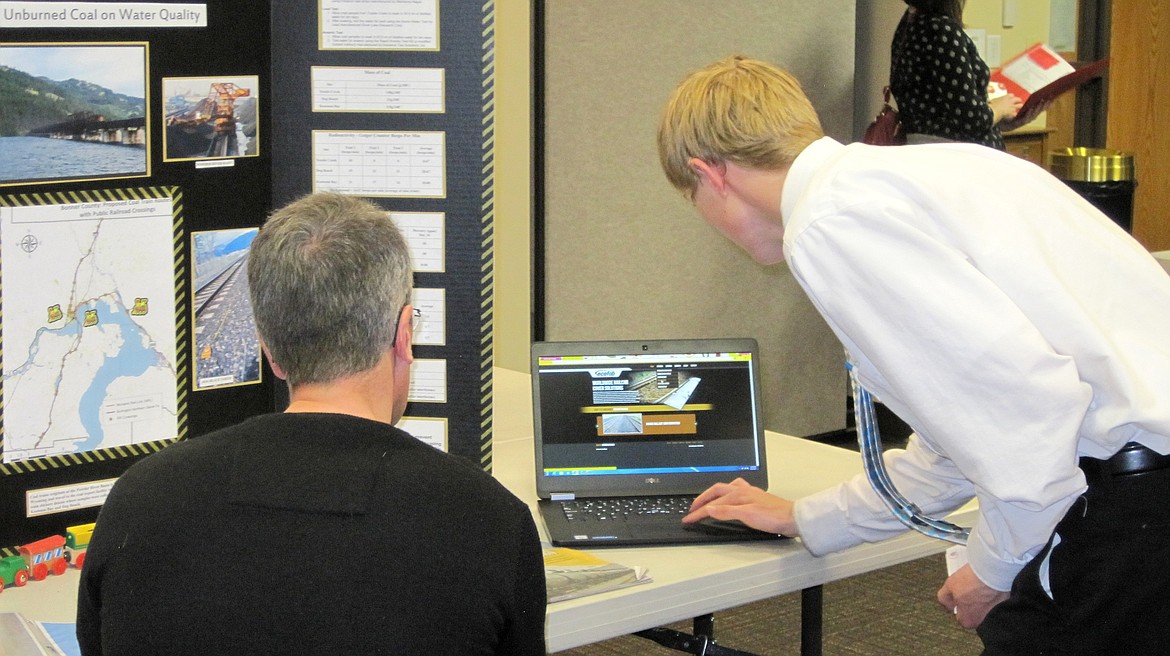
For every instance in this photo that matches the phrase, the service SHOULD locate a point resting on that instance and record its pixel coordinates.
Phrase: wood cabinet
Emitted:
(1029, 144)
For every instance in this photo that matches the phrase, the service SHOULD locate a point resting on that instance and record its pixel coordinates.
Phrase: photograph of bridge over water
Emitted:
(73, 112)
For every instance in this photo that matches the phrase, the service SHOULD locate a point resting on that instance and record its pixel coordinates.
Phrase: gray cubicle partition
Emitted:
(622, 255)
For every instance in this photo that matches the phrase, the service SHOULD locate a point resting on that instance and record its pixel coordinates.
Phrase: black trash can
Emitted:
(1102, 176)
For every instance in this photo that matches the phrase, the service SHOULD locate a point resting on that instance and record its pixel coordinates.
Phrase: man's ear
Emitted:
(276, 369)
(404, 337)
(711, 173)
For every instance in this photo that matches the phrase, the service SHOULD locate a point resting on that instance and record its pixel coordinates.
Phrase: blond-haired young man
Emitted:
(1018, 330)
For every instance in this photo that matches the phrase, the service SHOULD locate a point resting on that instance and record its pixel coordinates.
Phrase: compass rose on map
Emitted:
(29, 243)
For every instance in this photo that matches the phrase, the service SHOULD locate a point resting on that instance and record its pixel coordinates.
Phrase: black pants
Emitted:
(1110, 578)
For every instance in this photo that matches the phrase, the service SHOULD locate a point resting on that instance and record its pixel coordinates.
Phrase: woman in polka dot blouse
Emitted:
(940, 82)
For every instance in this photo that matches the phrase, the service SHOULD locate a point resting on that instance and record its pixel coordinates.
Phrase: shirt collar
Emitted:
(806, 164)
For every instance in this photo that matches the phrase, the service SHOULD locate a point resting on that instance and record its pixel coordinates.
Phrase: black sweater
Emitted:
(311, 534)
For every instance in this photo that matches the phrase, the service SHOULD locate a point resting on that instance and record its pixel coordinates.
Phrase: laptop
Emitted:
(628, 433)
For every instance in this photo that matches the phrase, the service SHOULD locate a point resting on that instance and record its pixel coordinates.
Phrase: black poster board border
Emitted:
(209, 195)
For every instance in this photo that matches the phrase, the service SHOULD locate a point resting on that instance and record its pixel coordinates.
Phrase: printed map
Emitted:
(88, 327)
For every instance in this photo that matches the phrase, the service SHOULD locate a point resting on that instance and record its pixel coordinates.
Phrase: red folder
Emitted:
(1039, 75)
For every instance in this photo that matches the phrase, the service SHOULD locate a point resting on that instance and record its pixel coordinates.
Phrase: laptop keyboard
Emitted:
(621, 509)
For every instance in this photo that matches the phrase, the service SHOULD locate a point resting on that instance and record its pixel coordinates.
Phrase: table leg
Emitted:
(811, 620)
(701, 643)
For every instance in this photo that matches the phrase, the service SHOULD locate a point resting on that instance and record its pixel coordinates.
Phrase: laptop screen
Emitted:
(663, 417)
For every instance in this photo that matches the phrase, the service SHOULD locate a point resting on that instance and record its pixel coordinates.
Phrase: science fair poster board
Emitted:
(154, 143)
(394, 103)
(133, 155)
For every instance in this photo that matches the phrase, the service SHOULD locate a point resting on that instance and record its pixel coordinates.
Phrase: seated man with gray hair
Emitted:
(323, 529)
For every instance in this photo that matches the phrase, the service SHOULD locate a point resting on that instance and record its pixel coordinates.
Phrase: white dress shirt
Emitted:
(1010, 323)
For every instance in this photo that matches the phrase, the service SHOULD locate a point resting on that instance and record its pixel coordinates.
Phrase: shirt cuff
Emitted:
(822, 526)
(995, 573)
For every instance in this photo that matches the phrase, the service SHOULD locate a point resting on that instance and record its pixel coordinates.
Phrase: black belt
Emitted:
(1131, 460)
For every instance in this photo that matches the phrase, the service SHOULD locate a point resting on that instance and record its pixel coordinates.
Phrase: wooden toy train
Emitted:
(52, 555)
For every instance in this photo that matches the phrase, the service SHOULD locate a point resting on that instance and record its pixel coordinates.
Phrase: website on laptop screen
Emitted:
(648, 414)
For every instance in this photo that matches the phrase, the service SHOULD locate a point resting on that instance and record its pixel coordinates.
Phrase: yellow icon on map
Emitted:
(55, 313)
(91, 318)
(141, 307)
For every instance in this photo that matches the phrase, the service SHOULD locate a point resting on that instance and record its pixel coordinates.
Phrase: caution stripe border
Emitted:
(487, 231)
(181, 328)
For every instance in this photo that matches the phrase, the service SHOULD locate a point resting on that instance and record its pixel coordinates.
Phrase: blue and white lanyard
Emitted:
(870, 441)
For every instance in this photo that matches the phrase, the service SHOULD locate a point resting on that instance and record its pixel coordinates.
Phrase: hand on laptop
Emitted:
(746, 503)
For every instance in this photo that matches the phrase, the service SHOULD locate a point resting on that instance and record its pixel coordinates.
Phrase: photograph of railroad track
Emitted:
(227, 351)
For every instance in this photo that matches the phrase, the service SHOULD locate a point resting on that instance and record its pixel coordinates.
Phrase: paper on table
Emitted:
(22, 637)
(569, 573)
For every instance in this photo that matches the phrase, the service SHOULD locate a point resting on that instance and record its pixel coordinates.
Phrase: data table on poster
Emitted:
(382, 163)
(428, 381)
(424, 233)
(352, 89)
(431, 326)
